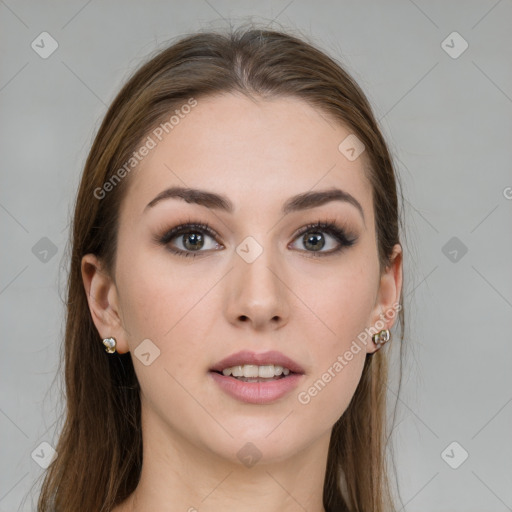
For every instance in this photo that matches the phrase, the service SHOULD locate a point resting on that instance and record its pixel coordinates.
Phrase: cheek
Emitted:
(149, 288)
(342, 310)
(339, 356)
(168, 303)
(342, 303)
(328, 393)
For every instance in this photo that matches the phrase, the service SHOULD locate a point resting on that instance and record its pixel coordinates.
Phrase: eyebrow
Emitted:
(296, 203)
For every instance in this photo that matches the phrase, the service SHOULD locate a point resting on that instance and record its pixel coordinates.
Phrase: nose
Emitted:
(257, 294)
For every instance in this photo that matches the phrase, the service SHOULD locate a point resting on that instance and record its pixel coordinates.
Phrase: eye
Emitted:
(191, 237)
(313, 238)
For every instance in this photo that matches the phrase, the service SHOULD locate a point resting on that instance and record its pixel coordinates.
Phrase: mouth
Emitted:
(264, 365)
(255, 373)
(257, 378)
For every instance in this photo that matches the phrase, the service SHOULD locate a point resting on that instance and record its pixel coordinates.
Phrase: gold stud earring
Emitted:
(110, 345)
(381, 337)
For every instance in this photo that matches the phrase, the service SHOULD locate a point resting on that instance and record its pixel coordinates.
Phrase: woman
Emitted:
(236, 267)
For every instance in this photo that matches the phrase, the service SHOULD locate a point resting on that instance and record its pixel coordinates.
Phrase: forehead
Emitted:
(258, 152)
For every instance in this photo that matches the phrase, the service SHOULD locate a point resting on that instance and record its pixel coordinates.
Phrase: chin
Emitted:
(262, 444)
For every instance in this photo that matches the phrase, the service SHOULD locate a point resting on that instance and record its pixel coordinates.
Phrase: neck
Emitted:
(179, 475)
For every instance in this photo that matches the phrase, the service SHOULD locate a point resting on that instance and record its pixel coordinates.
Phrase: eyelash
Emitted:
(328, 226)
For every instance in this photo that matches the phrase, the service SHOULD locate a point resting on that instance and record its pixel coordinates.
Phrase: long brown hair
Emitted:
(100, 446)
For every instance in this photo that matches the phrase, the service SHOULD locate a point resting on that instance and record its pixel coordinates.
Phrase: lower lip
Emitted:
(257, 392)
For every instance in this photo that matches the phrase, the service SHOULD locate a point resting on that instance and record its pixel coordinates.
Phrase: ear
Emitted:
(388, 296)
(101, 292)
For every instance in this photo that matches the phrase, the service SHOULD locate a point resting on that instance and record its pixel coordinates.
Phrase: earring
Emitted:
(110, 345)
(381, 337)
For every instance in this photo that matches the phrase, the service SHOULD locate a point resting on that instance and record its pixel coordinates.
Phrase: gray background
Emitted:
(448, 122)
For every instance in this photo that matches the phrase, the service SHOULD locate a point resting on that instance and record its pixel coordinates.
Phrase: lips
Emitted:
(261, 359)
(260, 393)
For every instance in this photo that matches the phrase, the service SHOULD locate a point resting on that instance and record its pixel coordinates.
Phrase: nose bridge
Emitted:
(259, 276)
(257, 292)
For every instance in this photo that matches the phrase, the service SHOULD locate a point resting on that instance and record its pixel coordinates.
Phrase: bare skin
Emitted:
(307, 305)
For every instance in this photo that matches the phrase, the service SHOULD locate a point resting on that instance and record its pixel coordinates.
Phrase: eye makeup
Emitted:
(344, 238)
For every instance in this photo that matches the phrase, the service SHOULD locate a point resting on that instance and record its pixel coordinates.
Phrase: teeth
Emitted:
(236, 371)
(252, 370)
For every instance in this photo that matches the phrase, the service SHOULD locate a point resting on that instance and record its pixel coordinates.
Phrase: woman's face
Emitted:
(255, 284)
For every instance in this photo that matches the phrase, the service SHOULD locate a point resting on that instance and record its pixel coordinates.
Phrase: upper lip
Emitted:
(264, 358)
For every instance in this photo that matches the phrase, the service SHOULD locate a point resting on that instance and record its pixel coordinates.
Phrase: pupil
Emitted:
(315, 241)
(193, 241)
